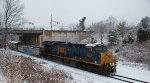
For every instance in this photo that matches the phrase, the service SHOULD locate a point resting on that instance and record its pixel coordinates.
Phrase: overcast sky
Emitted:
(71, 11)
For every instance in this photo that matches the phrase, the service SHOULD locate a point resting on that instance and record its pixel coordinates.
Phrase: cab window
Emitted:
(101, 48)
(89, 49)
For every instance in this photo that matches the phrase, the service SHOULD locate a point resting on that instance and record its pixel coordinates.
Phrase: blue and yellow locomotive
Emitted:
(93, 58)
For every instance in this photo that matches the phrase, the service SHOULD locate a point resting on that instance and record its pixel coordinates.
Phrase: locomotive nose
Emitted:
(108, 55)
(106, 58)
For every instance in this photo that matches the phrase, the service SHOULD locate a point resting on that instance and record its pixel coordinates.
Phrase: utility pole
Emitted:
(51, 22)
(5, 40)
(56, 22)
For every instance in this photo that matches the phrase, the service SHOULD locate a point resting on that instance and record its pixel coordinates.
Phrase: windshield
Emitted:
(101, 48)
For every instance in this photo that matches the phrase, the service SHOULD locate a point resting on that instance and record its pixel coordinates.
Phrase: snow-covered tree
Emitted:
(93, 40)
(129, 39)
(143, 33)
(112, 37)
(145, 23)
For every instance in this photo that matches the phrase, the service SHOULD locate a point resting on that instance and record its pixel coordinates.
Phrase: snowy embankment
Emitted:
(133, 61)
(16, 68)
(81, 76)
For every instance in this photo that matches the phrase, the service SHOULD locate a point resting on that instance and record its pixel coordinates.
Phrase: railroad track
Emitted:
(121, 78)
(117, 77)
(127, 79)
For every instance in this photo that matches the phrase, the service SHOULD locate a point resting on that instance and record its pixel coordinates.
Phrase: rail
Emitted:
(126, 79)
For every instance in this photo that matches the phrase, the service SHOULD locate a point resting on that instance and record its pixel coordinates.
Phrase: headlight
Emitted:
(95, 61)
(112, 64)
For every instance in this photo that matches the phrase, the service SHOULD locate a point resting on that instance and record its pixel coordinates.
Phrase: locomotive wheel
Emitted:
(104, 70)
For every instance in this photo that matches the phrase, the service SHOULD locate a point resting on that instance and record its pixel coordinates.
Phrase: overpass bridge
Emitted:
(36, 37)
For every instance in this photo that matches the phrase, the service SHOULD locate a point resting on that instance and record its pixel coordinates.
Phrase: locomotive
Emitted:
(89, 57)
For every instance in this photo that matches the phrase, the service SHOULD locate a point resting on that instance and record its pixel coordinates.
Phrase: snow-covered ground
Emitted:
(2, 78)
(138, 72)
(81, 76)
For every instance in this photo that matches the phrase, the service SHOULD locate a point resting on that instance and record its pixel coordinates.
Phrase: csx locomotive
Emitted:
(93, 58)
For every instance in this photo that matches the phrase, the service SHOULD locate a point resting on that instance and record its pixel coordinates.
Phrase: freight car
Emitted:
(31, 50)
(93, 58)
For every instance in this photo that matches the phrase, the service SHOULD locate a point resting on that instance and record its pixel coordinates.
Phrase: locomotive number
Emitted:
(62, 50)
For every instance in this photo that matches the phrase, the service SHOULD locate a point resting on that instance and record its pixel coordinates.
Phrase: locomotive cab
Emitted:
(104, 58)
(107, 60)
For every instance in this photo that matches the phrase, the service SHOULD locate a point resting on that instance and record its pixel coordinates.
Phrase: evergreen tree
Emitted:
(82, 21)
(112, 37)
(143, 33)
(145, 23)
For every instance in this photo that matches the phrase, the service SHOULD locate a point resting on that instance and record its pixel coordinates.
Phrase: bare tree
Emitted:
(110, 23)
(122, 28)
(102, 29)
(1, 24)
(73, 27)
(99, 28)
(62, 28)
(0, 14)
(1, 21)
(12, 12)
